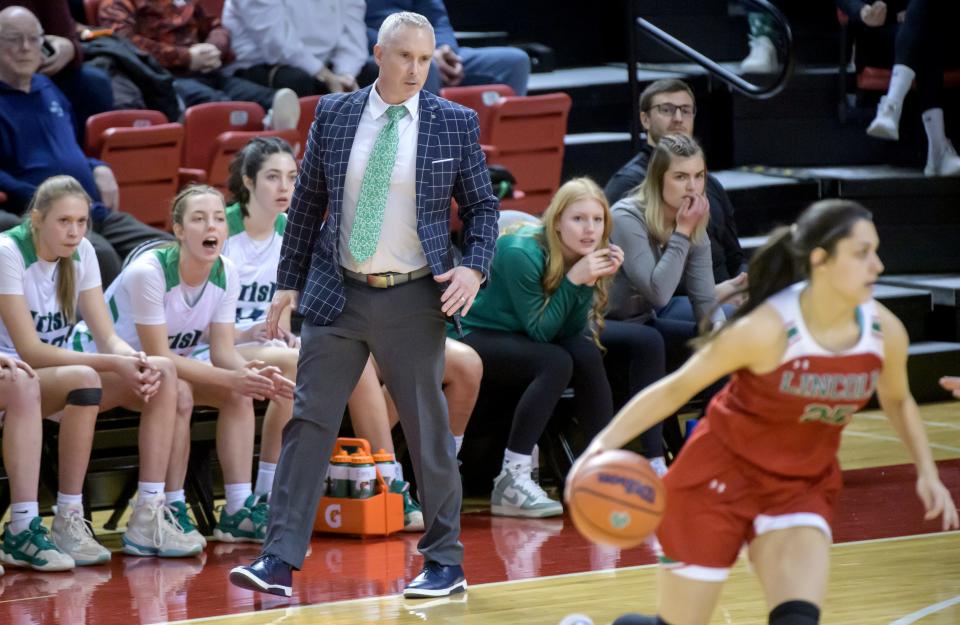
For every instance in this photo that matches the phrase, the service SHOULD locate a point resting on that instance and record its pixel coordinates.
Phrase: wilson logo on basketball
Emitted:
(630, 487)
(619, 519)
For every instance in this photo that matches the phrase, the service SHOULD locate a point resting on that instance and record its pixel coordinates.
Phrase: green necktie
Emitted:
(373, 190)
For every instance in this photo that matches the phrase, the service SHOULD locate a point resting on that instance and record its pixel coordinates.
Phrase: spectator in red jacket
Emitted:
(194, 46)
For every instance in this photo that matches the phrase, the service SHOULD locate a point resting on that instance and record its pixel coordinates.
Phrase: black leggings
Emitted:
(280, 76)
(544, 371)
(919, 43)
(635, 359)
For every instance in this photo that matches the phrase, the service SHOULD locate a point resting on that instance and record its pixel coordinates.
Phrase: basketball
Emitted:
(617, 499)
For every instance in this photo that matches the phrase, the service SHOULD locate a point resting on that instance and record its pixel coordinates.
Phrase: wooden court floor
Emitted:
(888, 567)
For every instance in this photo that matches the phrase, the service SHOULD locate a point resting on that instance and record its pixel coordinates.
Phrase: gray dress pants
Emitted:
(404, 329)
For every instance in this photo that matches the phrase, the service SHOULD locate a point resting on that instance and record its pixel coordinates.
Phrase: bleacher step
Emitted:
(944, 322)
(927, 362)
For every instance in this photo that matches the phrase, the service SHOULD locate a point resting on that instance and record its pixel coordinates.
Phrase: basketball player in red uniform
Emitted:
(806, 352)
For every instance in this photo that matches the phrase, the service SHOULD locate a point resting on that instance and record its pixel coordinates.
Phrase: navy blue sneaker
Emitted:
(267, 574)
(436, 580)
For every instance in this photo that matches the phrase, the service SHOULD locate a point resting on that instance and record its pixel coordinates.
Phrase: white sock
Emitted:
(21, 514)
(63, 500)
(936, 136)
(237, 495)
(512, 459)
(148, 490)
(901, 78)
(659, 465)
(265, 473)
(175, 495)
(458, 440)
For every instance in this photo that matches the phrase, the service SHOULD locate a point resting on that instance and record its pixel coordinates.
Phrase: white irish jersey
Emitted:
(149, 292)
(22, 272)
(256, 263)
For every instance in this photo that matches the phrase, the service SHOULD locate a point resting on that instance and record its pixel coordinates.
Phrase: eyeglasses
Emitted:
(16, 39)
(669, 110)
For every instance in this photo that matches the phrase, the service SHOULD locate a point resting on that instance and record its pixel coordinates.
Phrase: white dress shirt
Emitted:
(399, 248)
(303, 33)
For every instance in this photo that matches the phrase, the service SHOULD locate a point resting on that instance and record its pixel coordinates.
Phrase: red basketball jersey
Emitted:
(789, 421)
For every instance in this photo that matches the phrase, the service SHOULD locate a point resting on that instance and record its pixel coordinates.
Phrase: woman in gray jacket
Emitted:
(661, 227)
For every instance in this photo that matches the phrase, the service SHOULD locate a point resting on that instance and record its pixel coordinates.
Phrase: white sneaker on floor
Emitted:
(285, 112)
(73, 535)
(32, 548)
(762, 58)
(150, 532)
(179, 512)
(886, 125)
(516, 494)
(947, 163)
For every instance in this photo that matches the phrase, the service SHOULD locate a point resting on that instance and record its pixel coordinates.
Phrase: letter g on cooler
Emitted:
(331, 515)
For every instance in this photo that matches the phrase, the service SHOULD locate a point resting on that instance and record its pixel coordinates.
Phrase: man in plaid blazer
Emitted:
(386, 303)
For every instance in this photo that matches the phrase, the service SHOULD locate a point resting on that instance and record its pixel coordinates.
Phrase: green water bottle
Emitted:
(363, 476)
(388, 466)
(339, 475)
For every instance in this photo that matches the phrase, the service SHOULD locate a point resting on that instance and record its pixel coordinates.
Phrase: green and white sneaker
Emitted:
(150, 532)
(516, 494)
(246, 525)
(32, 548)
(412, 513)
(181, 516)
(73, 535)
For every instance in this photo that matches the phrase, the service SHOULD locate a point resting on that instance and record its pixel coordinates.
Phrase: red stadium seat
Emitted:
(481, 99)
(144, 153)
(203, 123)
(308, 108)
(215, 131)
(227, 144)
(91, 9)
(132, 118)
(526, 135)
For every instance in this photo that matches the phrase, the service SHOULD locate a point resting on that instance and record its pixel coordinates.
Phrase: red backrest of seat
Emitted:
(480, 98)
(126, 118)
(842, 17)
(308, 109)
(203, 123)
(528, 133)
(878, 78)
(145, 162)
(226, 146)
(90, 9)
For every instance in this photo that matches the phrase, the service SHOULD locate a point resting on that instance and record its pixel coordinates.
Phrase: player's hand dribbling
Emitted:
(592, 450)
(937, 501)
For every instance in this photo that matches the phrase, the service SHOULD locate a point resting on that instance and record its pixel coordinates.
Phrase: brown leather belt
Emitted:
(387, 279)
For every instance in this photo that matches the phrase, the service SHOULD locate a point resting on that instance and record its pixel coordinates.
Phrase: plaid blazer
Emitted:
(450, 163)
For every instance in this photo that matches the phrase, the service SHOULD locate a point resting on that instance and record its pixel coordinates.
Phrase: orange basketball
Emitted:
(617, 499)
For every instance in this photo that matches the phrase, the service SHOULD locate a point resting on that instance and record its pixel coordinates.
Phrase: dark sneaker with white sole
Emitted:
(267, 574)
(436, 580)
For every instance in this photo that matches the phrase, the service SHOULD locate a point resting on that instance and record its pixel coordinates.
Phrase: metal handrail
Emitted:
(733, 80)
